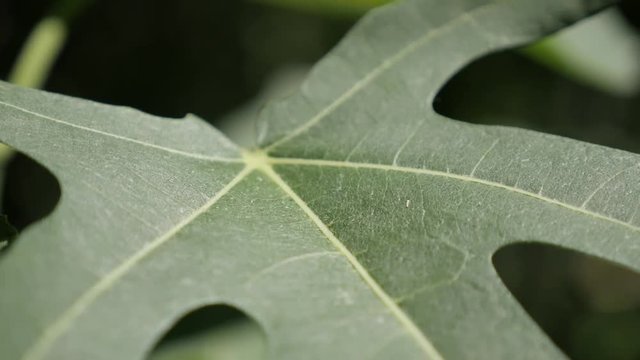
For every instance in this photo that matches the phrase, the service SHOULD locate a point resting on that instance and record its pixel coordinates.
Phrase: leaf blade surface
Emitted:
(366, 225)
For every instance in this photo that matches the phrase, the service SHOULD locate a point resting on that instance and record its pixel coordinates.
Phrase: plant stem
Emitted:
(42, 47)
(39, 53)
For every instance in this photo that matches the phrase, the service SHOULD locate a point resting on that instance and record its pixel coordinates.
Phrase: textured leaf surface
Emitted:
(363, 227)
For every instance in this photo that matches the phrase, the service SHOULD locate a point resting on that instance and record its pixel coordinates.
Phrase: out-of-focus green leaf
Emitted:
(603, 52)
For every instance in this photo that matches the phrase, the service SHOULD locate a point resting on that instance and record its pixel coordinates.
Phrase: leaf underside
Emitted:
(363, 227)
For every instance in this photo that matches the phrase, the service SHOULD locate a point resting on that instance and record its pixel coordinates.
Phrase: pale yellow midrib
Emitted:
(62, 323)
(260, 162)
(380, 69)
(121, 137)
(411, 328)
(359, 165)
(263, 162)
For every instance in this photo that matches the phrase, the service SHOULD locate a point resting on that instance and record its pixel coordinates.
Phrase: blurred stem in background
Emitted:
(39, 53)
(42, 47)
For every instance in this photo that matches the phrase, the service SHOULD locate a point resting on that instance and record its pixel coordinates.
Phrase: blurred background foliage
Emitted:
(223, 60)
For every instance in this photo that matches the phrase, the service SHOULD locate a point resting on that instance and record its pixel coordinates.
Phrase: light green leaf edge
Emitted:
(601, 52)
